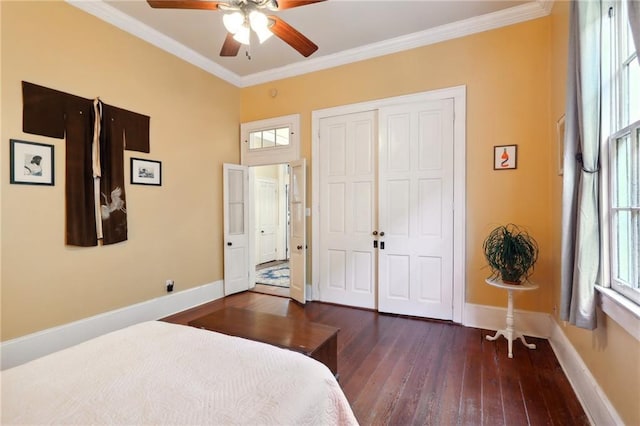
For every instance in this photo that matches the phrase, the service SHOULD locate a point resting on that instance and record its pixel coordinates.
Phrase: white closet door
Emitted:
(416, 209)
(348, 163)
(236, 228)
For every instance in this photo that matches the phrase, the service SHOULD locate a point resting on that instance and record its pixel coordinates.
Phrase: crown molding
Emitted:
(514, 15)
(546, 5)
(109, 14)
(451, 31)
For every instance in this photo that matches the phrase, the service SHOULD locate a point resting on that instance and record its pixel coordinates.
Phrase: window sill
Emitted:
(620, 309)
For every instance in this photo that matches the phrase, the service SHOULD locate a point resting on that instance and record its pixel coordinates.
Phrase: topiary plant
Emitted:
(511, 253)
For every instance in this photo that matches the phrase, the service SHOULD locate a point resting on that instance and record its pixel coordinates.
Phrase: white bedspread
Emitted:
(158, 373)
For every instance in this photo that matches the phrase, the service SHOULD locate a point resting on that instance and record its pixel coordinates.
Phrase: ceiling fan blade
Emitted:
(184, 4)
(288, 4)
(230, 47)
(292, 37)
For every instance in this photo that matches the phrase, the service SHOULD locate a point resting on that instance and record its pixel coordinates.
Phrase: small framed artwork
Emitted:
(146, 172)
(505, 157)
(31, 163)
(560, 138)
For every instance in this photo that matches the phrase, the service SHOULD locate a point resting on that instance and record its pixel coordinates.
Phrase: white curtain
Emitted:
(581, 181)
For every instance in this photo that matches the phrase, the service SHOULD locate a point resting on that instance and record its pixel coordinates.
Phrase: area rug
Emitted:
(277, 275)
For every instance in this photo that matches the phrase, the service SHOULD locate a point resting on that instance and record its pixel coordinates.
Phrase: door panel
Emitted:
(337, 200)
(362, 199)
(416, 209)
(337, 279)
(236, 230)
(429, 267)
(362, 272)
(347, 162)
(398, 206)
(429, 196)
(297, 209)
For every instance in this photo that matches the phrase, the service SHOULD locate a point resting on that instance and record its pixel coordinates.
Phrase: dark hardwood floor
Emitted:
(399, 371)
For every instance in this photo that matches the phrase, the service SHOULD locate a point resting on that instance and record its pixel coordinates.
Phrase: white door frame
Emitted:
(268, 156)
(459, 95)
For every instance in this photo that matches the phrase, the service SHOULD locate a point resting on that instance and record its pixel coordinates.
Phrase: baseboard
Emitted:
(593, 399)
(534, 324)
(26, 348)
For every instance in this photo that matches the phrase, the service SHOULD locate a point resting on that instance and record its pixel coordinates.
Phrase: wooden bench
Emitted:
(317, 341)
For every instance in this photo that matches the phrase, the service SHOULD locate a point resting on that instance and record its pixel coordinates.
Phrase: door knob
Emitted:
(382, 233)
(262, 232)
(374, 233)
(299, 247)
(229, 243)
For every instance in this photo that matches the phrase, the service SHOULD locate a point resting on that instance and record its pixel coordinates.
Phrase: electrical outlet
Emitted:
(169, 284)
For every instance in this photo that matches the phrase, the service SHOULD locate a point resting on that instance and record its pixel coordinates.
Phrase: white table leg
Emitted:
(510, 333)
(495, 336)
(524, 342)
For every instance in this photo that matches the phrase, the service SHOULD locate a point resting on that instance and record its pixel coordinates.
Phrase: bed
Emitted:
(160, 373)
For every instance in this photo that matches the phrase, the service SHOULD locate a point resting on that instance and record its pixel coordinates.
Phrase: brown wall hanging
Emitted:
(56, 114)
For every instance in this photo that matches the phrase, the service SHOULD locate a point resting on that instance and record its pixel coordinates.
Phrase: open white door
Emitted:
(237, 274)
(297, 209)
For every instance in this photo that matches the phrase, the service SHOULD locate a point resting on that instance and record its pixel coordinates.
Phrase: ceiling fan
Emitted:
(242, 16)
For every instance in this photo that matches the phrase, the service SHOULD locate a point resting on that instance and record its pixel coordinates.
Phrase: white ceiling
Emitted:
(345, 31)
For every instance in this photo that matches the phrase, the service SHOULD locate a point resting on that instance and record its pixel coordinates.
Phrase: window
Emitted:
(270, 141)
(269, 138)
(621, 107)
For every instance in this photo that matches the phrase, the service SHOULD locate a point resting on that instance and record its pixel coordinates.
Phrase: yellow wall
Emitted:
(610, 353)
(515, 79)
(175, 231)
(507, 76)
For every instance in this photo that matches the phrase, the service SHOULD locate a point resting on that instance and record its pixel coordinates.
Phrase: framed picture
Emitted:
(146, 172)
(505, 157)
(560, 140)
(31, 163)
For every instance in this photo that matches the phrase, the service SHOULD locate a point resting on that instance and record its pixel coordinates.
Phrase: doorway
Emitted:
(265, 142)
(270, 184)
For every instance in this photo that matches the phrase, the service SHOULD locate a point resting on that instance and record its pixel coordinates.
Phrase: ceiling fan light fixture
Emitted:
(263, 35)
(258, 20)
(233, 22)
(242, 35)
(260, 25)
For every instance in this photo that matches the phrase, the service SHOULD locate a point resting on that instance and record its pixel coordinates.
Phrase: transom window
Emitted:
(270, 141)
(269, 138)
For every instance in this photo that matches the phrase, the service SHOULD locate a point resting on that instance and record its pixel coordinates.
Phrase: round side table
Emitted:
(510, 333)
